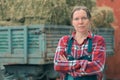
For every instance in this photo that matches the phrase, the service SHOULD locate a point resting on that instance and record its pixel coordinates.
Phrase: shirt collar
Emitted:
(89, 34)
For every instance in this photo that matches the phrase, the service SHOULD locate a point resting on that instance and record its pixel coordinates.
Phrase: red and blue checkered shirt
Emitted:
(81, 67)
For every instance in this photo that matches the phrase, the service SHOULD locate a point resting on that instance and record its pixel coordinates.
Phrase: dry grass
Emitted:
(102, 17)
(26, 12)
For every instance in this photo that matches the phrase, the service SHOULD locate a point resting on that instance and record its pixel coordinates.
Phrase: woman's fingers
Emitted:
(63, 58)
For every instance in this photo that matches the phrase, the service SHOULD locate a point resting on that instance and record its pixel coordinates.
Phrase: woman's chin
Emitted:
(82, 31)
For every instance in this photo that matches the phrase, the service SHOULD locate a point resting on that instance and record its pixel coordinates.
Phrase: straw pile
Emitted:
(26, 12)
(102, 17)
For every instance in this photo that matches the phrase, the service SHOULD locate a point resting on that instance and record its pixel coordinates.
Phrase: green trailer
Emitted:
(26, 52)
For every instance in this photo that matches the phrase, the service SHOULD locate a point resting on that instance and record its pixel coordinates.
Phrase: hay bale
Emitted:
(102, 17)
(25, 12)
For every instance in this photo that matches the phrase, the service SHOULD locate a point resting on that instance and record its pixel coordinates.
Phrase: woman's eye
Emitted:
(76, 19)
(83, 18)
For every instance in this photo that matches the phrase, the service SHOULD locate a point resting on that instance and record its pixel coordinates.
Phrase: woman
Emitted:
(78, 68)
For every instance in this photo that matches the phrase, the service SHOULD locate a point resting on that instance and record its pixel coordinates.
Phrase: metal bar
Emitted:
(9, 41)
(25, 45)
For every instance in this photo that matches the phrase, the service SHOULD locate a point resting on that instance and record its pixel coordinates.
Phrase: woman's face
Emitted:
(80, 21)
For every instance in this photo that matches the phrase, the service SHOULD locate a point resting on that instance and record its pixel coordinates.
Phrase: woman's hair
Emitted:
(76, 8)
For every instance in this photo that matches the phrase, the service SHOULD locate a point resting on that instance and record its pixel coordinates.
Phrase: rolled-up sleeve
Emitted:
(60, 65)
(98, 59)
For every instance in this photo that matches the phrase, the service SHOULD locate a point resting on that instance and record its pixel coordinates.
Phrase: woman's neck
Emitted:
(81, 35)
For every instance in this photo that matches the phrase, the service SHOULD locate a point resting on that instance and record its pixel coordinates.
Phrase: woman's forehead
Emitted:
(80, 13)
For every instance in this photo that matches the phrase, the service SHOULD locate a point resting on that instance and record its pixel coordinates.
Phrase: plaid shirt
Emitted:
(81, 67)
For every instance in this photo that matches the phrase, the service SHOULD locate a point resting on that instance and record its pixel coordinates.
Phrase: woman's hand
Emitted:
(63, 58)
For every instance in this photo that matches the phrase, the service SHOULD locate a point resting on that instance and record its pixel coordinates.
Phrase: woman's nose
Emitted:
(80, 21)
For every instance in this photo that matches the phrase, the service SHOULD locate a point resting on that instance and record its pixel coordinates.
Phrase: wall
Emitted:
(113, 62)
